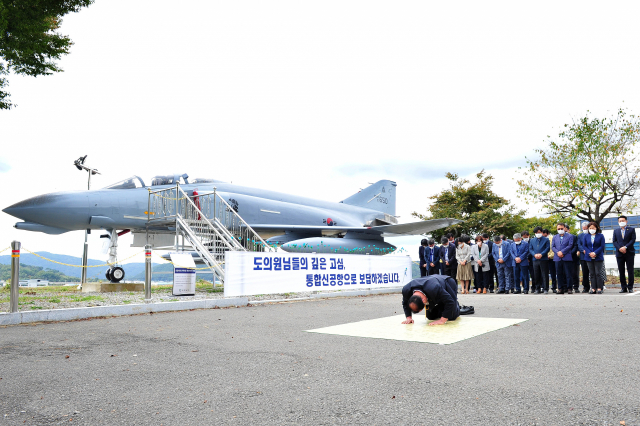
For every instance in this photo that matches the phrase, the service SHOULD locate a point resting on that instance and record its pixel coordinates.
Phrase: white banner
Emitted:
(248, 273)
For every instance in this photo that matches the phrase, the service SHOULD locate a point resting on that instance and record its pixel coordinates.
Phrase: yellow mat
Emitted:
(391, 328)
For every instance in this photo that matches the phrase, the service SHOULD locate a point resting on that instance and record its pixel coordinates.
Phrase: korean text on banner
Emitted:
(248, 273)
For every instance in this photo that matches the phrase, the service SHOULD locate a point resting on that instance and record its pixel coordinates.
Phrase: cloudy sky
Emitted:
(312, 98)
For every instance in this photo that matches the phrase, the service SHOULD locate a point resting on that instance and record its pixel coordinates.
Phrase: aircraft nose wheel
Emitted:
(115, 275)
(108, 274)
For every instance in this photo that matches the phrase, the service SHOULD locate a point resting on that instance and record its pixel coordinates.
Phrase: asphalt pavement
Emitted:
(575, 362)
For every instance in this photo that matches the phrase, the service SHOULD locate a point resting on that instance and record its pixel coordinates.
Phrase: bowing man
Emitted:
(438, 293)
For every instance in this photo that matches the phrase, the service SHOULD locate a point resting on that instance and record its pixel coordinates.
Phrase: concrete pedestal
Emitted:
(112, 287)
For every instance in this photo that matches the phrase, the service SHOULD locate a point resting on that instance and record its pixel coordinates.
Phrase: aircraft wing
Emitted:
(414, 228)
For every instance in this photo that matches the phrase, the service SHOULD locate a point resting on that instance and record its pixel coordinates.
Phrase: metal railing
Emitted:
(208, 222)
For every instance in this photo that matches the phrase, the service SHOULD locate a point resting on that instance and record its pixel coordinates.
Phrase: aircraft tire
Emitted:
(117, 274)
(108, 274)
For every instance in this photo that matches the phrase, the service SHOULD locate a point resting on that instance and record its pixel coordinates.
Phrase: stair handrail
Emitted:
(264, 243)
(202, 250)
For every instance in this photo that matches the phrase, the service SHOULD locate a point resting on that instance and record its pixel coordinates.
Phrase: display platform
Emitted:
(465, 327)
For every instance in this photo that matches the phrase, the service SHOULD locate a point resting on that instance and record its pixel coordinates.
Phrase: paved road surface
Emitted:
(575, 362)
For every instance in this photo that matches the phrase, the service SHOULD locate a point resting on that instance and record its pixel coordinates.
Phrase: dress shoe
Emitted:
(624, 290)
(559, 292)
(517, 292)
(599, 291)
(546, 292)
(526, 292)
(585, 291)
(490, 291)
(570, 291)
(501, 292)
(484, 291)
(555, 291)
(540, 291)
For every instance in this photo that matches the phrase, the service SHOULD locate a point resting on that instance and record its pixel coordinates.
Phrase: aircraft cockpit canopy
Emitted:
(136, 181)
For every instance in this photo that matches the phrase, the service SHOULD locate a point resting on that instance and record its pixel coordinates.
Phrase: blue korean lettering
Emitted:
(266, 262)
(257, 261)
(304, 264)
(277, 264)
(332, 279)
(314, 263)
(325, 279)
(286, 264)
(317, 279)
(309, 280)
(295, 263)
(340, 264)
(362, 281)
(323, 263)
(332, 264)
(339, 278)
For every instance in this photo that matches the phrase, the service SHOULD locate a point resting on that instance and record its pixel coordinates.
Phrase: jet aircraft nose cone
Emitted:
(56, 209)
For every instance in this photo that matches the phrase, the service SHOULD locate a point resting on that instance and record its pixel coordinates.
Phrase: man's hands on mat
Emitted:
(409, 320)
(441, 321)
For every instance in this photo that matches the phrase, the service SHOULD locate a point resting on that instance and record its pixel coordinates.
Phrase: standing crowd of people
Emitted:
(528, 263)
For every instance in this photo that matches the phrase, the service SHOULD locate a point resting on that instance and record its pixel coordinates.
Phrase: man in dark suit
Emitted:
(432, 258)
(539, 249)
(575, 263)
(624, 240)
(439, 293)
(583, 262)
(562, 247)
(421, 258)
(492, 263)
(527, 238)
(552, 265)
(448, 258)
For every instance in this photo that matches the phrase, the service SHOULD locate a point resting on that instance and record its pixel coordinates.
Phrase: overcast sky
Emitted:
(312, 98)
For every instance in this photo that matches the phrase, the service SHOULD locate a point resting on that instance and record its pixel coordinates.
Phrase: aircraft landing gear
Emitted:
(117, 274)
(108, 274)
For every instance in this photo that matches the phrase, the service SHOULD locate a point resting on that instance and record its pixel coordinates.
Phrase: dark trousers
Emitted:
(565, 275)
(481, 278)
(435, 312)
(541, 274)
(432, 270)
(493, 274)
(451, 270)
(553, 274)
(521, 274)
(575, 277)
(423, 271)
(626, 260)
(596, 275)
(585, 275)
(533, 282)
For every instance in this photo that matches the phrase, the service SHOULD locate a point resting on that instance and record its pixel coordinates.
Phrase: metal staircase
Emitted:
(206, 221)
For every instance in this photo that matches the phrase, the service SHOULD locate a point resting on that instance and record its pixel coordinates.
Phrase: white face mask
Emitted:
(538, 235)
(592, 231)
(560, 231)
(526, 239)
(623, 223)
(485, 241)
(461, 245)
(518, 242)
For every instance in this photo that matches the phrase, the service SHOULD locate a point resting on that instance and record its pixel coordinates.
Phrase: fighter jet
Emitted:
(357, 224)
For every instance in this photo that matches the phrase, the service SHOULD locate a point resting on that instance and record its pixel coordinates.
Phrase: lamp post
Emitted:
(79, 163)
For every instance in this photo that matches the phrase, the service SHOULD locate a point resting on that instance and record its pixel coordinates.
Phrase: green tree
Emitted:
(480, 209)
(550, 223)
(589, 171)
(29, 43)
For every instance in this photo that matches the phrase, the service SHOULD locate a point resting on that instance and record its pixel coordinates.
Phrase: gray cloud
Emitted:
(429, 169)
(4, 167)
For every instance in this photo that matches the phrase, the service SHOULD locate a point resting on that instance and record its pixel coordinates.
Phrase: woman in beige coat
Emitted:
(463, 256)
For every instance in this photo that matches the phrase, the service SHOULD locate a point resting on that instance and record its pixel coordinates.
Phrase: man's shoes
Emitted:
(490, 291)
(599, 291)
(570, 291)
(546, 292)
(511, 290)
(559, 292)
(526, 292)
(585, 291)
(624, 290)
(555, 291)
(500, 292)
(540, 291)
(466, 310)
(517, 292)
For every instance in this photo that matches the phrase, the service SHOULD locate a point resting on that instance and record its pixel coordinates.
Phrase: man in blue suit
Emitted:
(583, 262)
(504, 260)
(448, 258)
(520, 255)
(562, 246)
(624, 240)
(539, 250)
(575, 263)
(432, 258)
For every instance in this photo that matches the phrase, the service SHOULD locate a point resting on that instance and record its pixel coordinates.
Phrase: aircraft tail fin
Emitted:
(380, 196)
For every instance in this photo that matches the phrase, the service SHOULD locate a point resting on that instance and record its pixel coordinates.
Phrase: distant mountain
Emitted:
(130, 269)
(28, 272)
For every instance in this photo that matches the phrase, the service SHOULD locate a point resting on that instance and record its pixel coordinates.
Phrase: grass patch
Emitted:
(54, 300)
(126, 302)
(37, 307)
(85, 298)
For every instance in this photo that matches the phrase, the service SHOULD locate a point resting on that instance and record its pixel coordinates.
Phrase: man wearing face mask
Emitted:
(432, 257)
(624, 240)
(551, 264)
(575, 263)
(502, 255)
(586, 286)
(562, 246)
(526, 238)
(539, 250)
(448, 258)
(520, 254)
